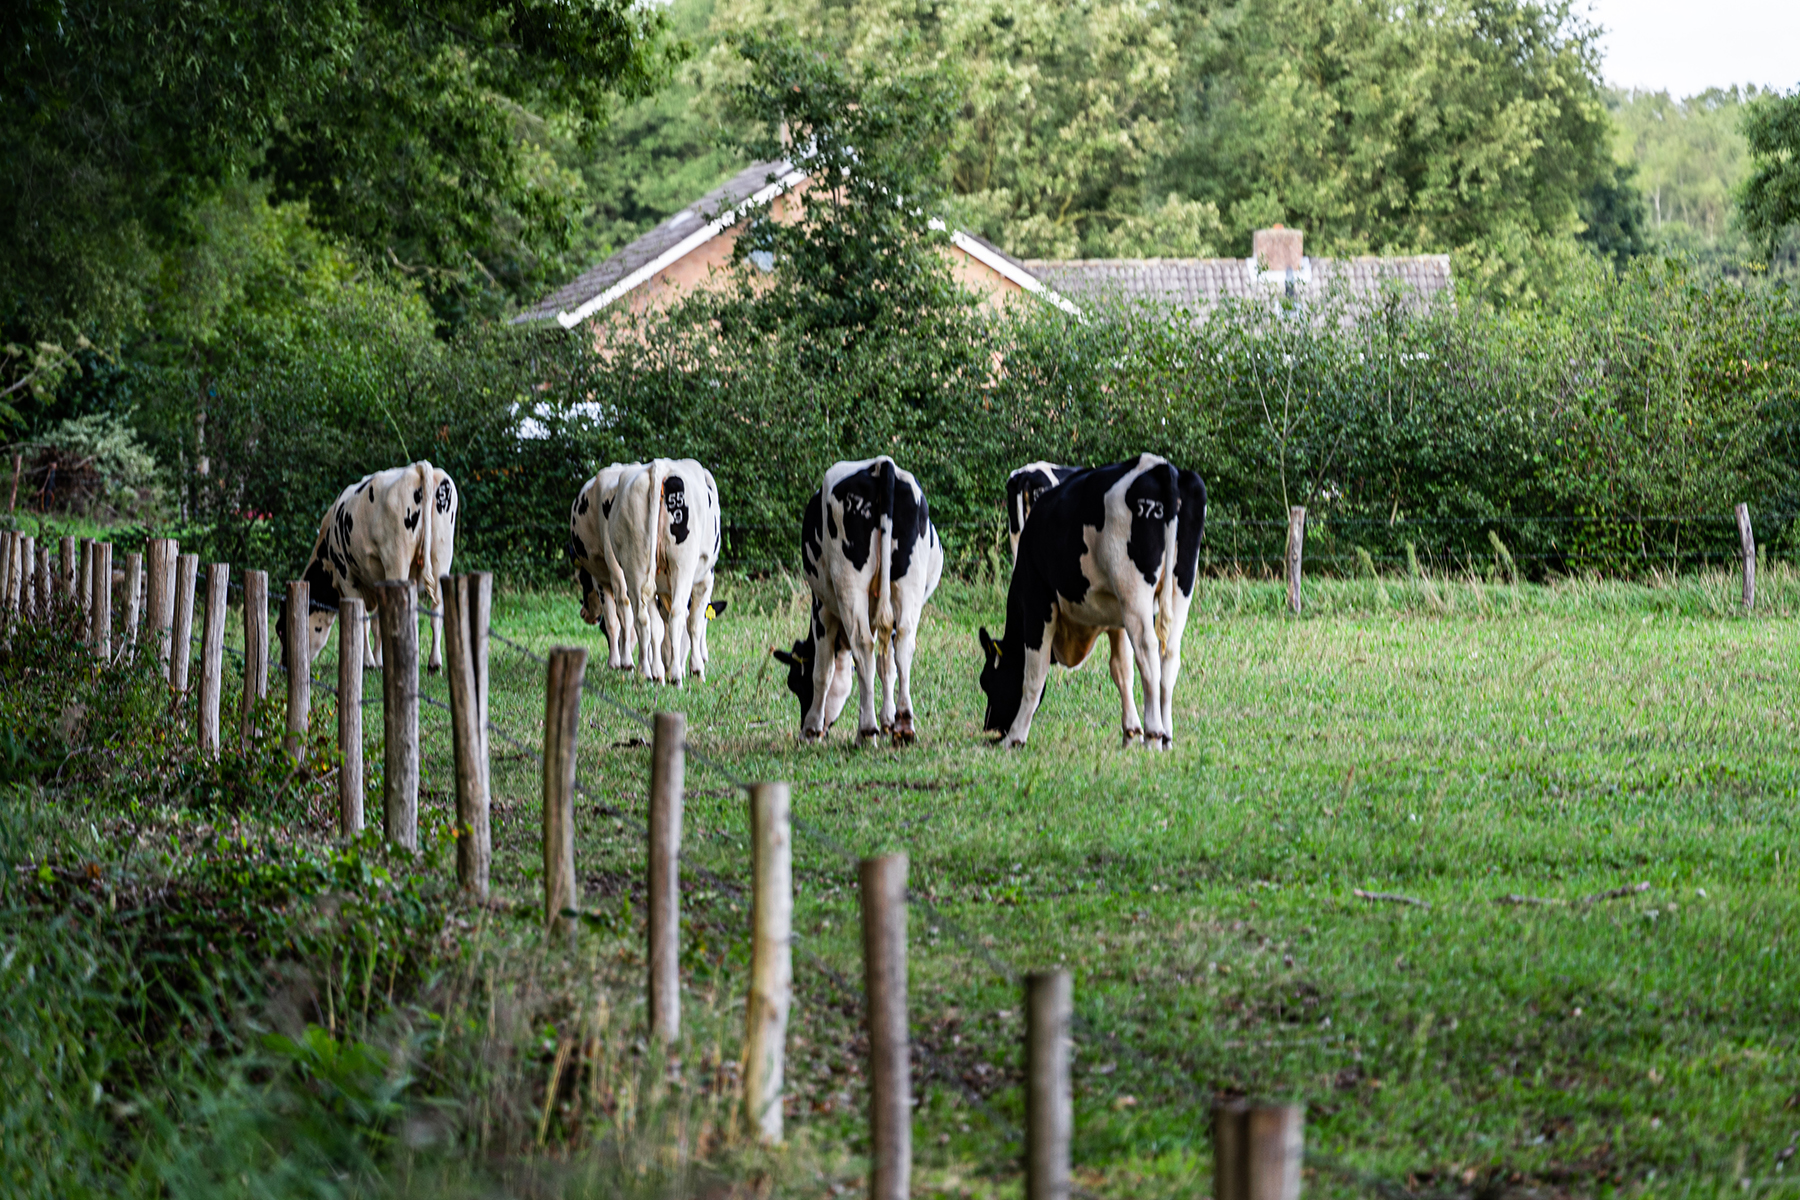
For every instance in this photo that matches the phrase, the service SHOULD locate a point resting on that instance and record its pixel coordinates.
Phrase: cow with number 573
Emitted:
(1108, 548)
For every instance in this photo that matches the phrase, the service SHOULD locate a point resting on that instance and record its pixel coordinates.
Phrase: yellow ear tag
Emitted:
(710, 614)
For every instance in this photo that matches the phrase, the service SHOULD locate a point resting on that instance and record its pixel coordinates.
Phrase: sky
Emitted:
(1686, 46)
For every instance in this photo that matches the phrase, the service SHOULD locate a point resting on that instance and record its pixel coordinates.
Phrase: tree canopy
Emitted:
(1771, 194)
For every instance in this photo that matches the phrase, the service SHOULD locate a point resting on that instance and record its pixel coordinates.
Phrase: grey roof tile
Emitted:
(1201, 283)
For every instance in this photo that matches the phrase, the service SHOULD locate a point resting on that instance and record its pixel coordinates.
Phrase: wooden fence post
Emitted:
(1747, 542)
(66, 570)
(352, 632)
(467, 601)
(1296, 542)
(297, 621)
(562, 728)
(28, 581)
(212, 656)
(160, 608)
(771, 960)
(1049, 1112)
(100, 602)
(9, 552)
(1275, 1144)
(1257, 1151)
(134, 587)
(181, 635)
(399, 712)
(45, 584)
(883, 886)
(84, 591)
(668, 771)
(256, 652)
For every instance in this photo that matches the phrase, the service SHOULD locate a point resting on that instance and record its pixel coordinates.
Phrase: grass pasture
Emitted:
(1454, 743)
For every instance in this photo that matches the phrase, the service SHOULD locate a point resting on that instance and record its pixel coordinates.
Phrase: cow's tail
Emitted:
(659, 472)
(425, 478)
(1167, 584)
(884, 569)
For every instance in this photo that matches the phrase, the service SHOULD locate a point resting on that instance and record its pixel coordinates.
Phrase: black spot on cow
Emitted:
(912, 520)
(1190, 531)
(606, 507)
(577, 548)
(443, 496)
(582, 507)
(418, 495)
(675, 504)
(412, 518)
(812, 545)
(864, 497)
(831, 530)
(1153, 501)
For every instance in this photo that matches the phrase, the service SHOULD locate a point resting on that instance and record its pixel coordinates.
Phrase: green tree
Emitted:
(1771, 194)
(410, 129)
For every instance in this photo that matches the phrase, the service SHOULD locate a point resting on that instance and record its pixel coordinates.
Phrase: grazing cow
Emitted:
(1109, 548)
(394, 524)
(872, 559)
(600, 602)
(1023, 487)
(661, 539)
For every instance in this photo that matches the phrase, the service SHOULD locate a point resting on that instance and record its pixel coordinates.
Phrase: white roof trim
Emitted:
(1006, 268)
(679, 251)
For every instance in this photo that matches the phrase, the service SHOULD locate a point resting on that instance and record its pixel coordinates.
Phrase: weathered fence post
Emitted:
(399, 713)
(1257, 1151)
(181, 635)
(668, 770)
(467, 601)
(9, 553)
(28, 579)
(84, 591)
(771, 959)
(212, 656)
(100, 602)
(1049, 1113)
(296, 621)
(65, 572)
(1747, 541)
(883, 886)
(1275, 1145)
(1296, 543)
(562, 728)
(351, 634)
(134, 594)
(161, 603)
(45, 584)
(256, 652)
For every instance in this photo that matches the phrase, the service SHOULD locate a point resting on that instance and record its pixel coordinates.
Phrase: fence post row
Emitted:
(1747, 543)
(100, 602)
(1257, 1151)
(181, 637)
(562, 727)
(256, 651)
(771, 960)
(296, 622)
(212, 656)
(399, 712)
(1049, 1111)
(467, 601)
(668, 771)
(134, 589)
(883, 888)
(1296, 543)
(352, 632)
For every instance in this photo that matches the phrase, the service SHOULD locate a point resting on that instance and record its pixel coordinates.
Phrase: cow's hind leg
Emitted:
(905, 642)
(1120, 665)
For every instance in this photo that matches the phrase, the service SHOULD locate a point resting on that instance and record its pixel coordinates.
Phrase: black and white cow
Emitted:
(394, 524)
(872, 560)
(1023, 487)
(1108, 548)
(662, 536)
(600, 603)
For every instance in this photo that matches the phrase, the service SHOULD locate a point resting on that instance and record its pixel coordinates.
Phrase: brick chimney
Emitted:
(1277, 249)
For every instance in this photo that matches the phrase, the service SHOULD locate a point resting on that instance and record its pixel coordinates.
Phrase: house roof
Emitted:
(676, 237)
(1201, 283)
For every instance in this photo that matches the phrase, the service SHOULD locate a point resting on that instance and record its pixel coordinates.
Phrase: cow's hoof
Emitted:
(1132, 737)
(904, 737)
(1012, 743)
(432, 668)
(812, 735)
(867, 735)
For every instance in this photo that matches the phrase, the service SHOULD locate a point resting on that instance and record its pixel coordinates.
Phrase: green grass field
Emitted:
(1451, 742)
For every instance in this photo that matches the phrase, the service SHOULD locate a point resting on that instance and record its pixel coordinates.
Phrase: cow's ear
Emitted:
(716, 609)
(988, 646)
(782, 656)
